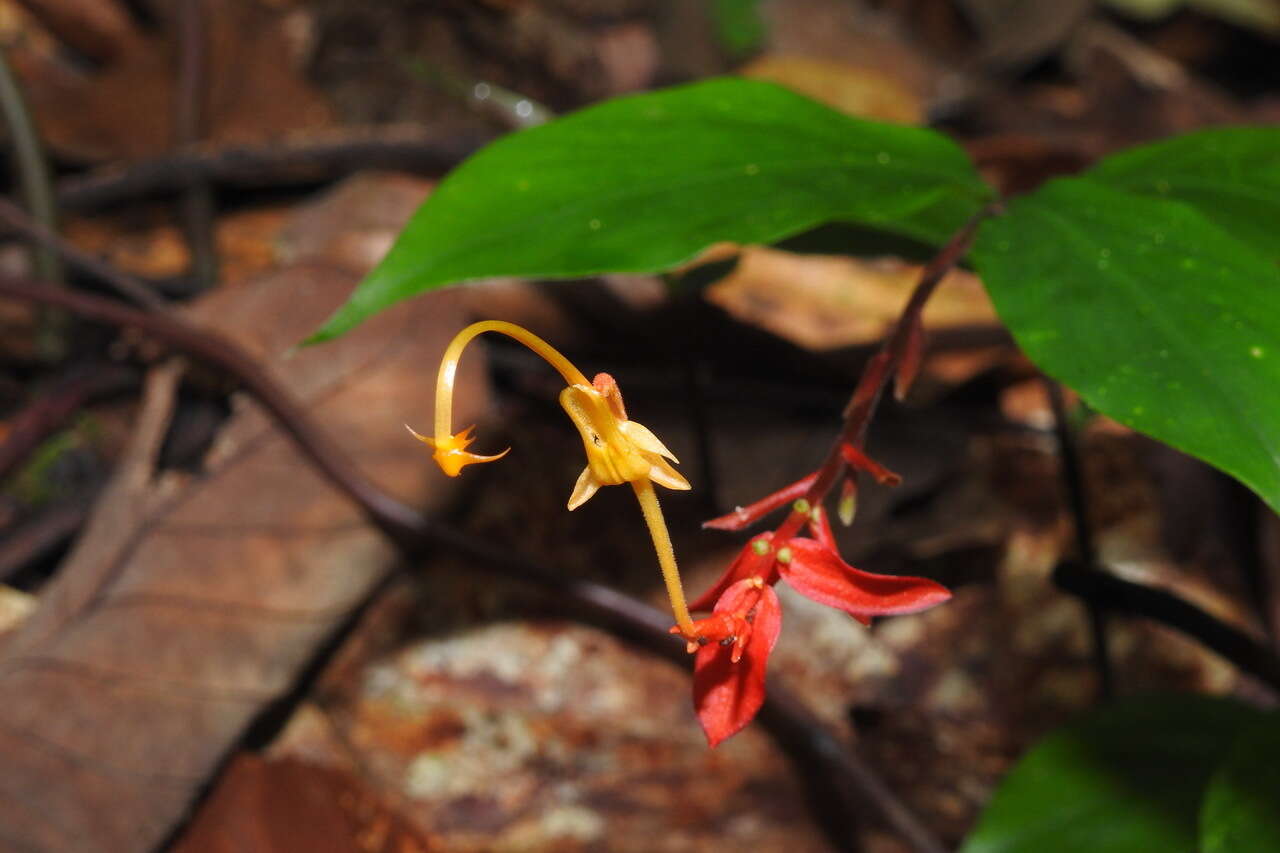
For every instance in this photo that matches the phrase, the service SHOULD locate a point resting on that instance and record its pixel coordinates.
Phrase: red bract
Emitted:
(755, 560)
(815, 570)
(730, 669)
(733, 653)
(745, 516)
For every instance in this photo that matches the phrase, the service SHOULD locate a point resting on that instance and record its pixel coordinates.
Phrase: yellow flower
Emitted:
(450, 452)
(618, 450)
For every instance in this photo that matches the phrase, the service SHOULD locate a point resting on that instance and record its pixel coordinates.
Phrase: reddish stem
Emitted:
(745, 516)
(876, 375)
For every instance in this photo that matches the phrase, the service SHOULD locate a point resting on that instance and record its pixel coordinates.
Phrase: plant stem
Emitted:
(37, 192)
(449, 365)
(875, 377)
(50, 412)
(301, 160)
(1112, 593)
(1073, 482)
(399, 522)
(130, 288)
(33, 170)
(666, 553)
(189, 120)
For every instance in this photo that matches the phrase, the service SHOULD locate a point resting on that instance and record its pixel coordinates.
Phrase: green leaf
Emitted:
(1156, 315)
(643, 183)
(1241, 811)
(1231, 175)
(1126, 778)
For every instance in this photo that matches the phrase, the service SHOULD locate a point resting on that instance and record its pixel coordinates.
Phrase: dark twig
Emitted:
(819, 753)
(41, 536)
(279, 163)
(189, 129)
(1113, 593)
(37, 191)
(130, 288)
(794, 726)
(33, 170)
(1072, 472)
(53, 410)
(399, 522)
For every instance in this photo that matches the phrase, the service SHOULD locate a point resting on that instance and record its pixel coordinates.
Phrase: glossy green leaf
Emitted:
(1241, 811)
(642, 183)
(1127, 778)
(1231, 175)
(1156, 315)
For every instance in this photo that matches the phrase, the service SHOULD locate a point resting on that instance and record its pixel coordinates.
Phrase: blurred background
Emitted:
(205, 646)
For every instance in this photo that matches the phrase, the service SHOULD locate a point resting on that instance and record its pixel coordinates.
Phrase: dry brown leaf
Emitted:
(125, 110)
(15, 606)
(186, 607)
(155, 248)
(285, 805)
(856, 33)
(823, 302)
(852, 89)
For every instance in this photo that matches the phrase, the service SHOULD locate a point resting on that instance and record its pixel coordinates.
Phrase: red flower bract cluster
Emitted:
(733, 644)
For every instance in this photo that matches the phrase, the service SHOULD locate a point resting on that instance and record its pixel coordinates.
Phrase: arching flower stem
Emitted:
(449, 365)
(618, 450)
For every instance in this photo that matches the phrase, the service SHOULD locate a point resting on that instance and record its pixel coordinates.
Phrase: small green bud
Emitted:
(847, 507)
(760, 546)
(801, 506)
(784, 555)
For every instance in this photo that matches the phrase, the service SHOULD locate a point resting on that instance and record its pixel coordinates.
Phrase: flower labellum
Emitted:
(733, 648)
(618, 450)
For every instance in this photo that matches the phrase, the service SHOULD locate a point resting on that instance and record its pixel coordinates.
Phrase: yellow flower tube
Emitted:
(618, 450)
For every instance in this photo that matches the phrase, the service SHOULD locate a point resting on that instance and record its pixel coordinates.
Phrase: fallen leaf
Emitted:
(124, 110)
(15, 606)
(284, 805)
(823, 302)
(856, 90)
(189, 605)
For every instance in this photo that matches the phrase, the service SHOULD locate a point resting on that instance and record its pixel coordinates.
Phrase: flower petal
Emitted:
(747, 564)
(664, 475)
(586, 486)
(817, 572)
(644, 439)
(727, 695)
(450, 454)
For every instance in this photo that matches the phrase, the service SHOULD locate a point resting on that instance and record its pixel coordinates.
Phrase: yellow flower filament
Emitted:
(449, 365)
(643, 487)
